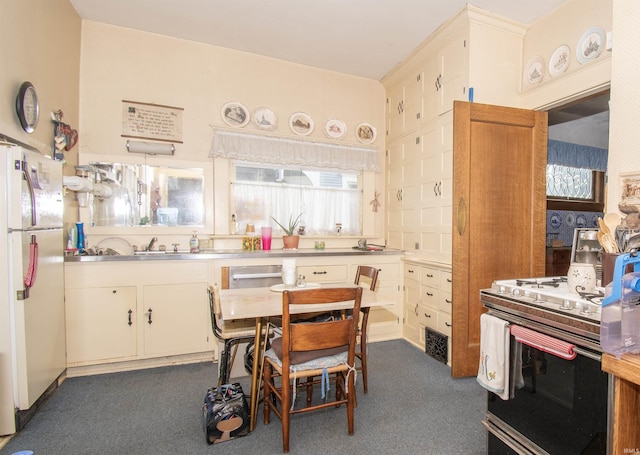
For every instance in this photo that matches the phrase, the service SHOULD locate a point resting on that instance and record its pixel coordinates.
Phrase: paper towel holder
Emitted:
(150, 148)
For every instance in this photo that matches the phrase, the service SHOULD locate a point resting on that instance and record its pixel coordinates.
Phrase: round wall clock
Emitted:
(27, 107)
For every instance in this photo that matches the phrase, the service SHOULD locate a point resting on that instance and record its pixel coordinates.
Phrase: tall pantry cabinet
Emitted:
(475, 56)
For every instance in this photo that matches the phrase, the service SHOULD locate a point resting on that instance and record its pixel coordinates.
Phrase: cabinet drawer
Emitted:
(446, 281)
(324, 273)
(430, 277)
(444, 324)
(429, 297)
(428, 317)
(444, 302)
(411, 272)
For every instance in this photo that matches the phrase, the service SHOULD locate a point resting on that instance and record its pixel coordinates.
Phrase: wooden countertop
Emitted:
(627, 367)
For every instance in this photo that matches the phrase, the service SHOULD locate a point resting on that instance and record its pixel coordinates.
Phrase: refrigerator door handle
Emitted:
(25, 169)
(32, 269)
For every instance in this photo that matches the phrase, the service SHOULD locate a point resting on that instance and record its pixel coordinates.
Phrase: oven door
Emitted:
(560, 409)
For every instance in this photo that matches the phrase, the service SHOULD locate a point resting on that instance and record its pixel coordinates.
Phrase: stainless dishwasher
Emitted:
(242, 277)
(251, 276)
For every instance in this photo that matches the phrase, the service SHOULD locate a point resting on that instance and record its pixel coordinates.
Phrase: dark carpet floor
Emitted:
(413, 407)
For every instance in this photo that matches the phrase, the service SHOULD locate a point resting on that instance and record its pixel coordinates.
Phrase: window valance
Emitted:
(285, 151)
(575, 155)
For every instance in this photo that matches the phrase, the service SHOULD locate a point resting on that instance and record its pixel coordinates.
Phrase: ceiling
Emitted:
(366, 38)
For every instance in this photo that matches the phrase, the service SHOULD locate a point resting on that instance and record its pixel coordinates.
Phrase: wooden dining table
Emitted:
(262, 303)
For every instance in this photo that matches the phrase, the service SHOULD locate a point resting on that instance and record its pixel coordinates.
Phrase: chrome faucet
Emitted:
(151, 243)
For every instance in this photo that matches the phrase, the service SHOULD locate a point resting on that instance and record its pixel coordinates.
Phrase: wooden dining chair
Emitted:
(371, 274)
(308, 350)
(231, 333)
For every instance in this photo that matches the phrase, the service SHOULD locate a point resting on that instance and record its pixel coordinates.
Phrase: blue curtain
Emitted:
(575, 155)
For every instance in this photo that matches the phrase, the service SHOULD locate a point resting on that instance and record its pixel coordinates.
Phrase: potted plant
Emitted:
(290, 240)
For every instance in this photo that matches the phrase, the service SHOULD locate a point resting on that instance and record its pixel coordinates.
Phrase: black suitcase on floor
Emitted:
(225, 413)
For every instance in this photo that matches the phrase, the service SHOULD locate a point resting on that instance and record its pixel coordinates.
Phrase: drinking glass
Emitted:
(266, 238)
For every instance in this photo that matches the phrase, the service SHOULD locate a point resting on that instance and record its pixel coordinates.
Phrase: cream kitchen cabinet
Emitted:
(411, 305)
(101, 323)
(404, 175)
(436, 191)
(419, 166)
(121, 314)
(175, 321)
(427, 302)
(405, 103)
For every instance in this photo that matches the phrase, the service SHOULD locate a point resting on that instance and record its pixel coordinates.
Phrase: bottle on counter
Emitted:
(81, 238)
(194, 243)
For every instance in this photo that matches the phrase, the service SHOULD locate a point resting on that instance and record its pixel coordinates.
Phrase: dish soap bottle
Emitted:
(194, 243)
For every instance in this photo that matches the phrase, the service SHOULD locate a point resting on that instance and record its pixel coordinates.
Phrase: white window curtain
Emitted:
(321, 208)
(283, 151)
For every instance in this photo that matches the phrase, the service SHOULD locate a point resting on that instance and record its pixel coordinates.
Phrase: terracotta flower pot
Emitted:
(290, 242)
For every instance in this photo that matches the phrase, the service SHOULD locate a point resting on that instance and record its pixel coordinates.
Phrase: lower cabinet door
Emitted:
(101, 323)
(176, 319)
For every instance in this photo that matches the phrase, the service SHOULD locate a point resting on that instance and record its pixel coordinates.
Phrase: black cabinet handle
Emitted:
(149, 321)
(320, 273)
(130, 312)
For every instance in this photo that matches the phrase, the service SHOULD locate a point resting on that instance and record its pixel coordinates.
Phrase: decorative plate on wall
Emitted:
(265, 119)
(235, 114)
(366, 133)
(570, 219)
(559, 61)
(335, 129)
(301, 123)
(590, 45)
(534, 71)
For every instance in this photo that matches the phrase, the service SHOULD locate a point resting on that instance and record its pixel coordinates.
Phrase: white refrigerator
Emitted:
(32, 320)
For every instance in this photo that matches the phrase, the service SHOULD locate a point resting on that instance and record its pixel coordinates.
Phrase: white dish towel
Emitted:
(493, 369)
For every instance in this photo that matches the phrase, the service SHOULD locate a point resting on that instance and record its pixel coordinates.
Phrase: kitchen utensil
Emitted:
(612, 220)
(607, 242)
(603, 227)
(633, 243)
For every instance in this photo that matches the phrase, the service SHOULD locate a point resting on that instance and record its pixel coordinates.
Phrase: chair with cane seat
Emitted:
(231, 333)
(311, 349)
(361, 350)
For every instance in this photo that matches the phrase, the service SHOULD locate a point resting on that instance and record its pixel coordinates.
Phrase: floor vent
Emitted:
(436, 345)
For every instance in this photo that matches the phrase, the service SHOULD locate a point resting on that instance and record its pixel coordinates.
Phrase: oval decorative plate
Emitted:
(560, 60)
(590, 45)
(581, 221)
(534, 71)
(265, 119)
(301, 124)
(570, 219)
(335, 129)
(555, 221)
(366, 133)
(235, 114)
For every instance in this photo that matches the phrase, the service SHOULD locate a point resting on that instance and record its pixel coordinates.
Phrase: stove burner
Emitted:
(554, 282)
(593, 297)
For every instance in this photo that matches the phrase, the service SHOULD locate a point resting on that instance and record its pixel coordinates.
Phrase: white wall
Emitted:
(566, 25)
(123, 64)
(624, 135)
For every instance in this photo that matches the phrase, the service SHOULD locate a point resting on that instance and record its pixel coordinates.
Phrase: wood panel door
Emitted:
(499, 203)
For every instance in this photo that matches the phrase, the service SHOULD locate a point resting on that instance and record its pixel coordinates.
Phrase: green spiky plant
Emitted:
(293, 224)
